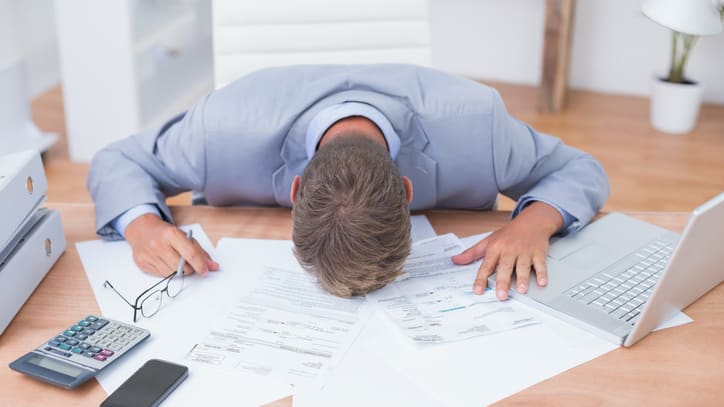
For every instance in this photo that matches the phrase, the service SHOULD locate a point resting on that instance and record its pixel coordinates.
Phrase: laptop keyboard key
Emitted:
(623, 294)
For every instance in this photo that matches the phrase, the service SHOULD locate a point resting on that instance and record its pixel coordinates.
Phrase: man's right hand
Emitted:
(157, 246)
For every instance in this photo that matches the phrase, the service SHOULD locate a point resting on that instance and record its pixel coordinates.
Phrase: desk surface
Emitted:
(683, 365)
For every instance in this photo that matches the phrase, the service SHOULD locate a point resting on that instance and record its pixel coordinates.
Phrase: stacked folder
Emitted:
(31, 237)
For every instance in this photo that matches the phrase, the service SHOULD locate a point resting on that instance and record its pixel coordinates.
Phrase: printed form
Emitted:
(433, 301)
(287, 328)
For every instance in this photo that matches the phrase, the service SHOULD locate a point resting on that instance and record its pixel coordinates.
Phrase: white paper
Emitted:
(421, 228)
(287, 328)
(432, 256)
(482, 370)
(182, 321)
(485, 369)
(364, 378)
(434, 303)
(676, 320)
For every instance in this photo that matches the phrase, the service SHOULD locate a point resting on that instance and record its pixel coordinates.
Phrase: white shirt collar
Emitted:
(332, 114)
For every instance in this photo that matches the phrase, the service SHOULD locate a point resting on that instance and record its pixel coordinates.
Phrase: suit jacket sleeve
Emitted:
(531, 165)
(148, 167)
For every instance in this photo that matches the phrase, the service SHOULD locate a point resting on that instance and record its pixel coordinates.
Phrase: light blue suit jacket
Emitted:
(243, 144)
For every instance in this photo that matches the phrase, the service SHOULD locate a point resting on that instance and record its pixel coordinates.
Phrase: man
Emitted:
(345, 146)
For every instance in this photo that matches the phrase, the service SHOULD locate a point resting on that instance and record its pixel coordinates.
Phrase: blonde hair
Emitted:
(351, 218)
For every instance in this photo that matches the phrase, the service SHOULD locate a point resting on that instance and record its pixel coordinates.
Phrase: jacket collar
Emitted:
(332, 114)
(411, 160)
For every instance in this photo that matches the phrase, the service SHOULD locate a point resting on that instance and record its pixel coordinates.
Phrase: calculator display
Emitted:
(56, 366)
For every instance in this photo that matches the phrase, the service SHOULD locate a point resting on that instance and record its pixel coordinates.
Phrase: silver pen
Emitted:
(181, 261)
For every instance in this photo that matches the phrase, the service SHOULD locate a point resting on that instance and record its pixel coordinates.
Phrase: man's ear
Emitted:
(408, 188)
(295, 188)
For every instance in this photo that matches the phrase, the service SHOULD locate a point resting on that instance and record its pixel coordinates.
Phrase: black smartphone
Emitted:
(149, 386)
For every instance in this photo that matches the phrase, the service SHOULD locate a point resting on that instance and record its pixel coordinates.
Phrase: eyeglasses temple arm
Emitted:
(108, 284)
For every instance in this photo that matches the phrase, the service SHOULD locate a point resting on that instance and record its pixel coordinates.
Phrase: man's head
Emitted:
(351, 216)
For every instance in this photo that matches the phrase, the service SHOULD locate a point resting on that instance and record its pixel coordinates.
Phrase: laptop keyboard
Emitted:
(624, 295)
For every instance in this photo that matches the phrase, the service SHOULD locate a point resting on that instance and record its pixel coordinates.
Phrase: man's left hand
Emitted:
(517, 248)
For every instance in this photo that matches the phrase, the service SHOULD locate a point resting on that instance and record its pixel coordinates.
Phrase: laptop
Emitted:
(620, 277)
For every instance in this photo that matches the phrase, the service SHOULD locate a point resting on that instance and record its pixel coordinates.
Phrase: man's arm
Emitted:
(144, 169)
(551, 182)
(148, 167)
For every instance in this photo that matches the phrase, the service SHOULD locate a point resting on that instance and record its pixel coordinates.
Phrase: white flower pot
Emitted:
(674, 106)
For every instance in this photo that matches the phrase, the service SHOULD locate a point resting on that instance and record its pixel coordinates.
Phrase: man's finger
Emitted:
(168, 261)
(188, 269)
(503, 276)
(471, 254)
(193, 256)
(522, 273)
(210, 263)
(485, 270)
(541, 271)
(154, 268)
(146, 262)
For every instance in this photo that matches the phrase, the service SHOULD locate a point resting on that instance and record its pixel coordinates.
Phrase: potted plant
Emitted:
(675, 98)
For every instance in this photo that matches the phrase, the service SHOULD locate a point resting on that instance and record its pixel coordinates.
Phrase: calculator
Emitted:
(80, 352)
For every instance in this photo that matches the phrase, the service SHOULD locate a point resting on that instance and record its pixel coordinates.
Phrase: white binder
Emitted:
(22, 189)
(28, 263)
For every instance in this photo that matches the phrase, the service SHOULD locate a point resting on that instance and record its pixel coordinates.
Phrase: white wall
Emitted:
(615, 48)
(27, 31)
(488, 39)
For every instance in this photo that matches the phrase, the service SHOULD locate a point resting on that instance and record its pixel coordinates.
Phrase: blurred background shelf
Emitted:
(128, 66)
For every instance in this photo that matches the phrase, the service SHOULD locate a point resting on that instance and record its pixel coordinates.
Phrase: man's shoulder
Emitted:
(381, 77)
(274, 98)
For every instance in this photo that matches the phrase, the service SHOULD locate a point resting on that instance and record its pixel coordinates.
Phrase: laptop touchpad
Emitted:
(590, 255)
(561, 248)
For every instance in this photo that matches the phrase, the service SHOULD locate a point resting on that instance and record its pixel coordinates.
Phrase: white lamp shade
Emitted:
(697, 17)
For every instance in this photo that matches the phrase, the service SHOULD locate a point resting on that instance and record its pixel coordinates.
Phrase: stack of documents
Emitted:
(433, 301)
(31, 238)
(261, 329)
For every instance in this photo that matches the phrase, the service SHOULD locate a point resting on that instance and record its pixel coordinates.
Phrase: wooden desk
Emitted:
(679, 366)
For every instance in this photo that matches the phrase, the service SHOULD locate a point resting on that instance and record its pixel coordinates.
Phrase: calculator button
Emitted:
(72, 342)
(89, 331)
(57, 352)
(82, 337)
(91, 318)
(107, 352)
(76, 328)
(64, 346)
(69, 334)
(61, 338)
(77, 350)
(53, 343)
(84, 346)
(95, 349)
(100, 357)
(88, 354)
(84, 323)
(99, 324)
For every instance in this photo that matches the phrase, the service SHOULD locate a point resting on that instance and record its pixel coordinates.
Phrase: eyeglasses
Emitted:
(149, 302)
